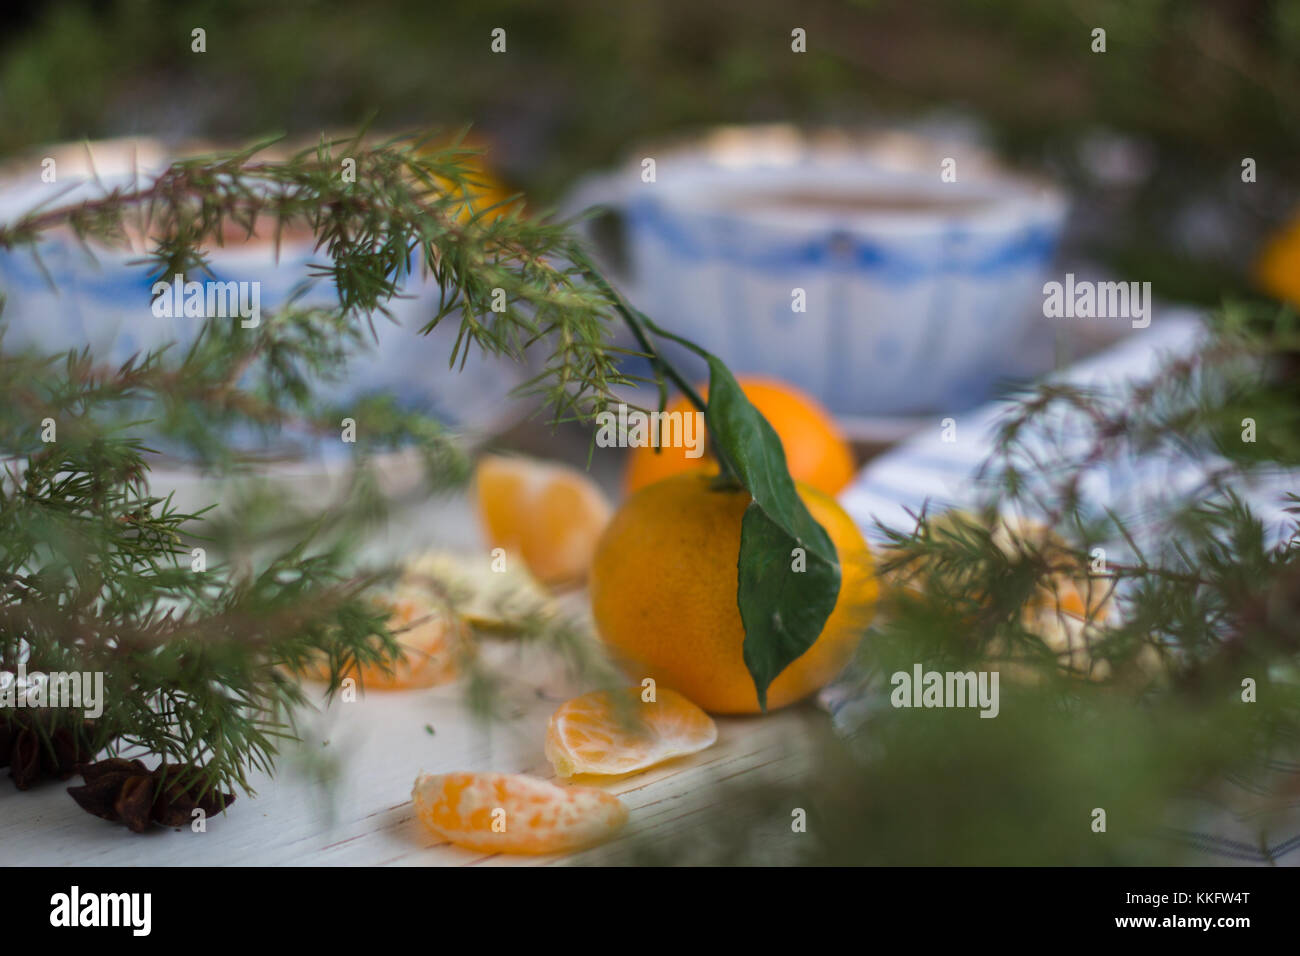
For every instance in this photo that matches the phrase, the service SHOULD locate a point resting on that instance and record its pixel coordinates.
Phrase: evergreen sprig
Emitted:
(201, 659)
(99, 573)
(1147, 714)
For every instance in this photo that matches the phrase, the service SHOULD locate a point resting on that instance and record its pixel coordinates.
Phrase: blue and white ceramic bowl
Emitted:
(104, 301)
(917, 291)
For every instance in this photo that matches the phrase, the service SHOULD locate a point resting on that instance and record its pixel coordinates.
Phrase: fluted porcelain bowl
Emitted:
(916, 290)
(66, 298)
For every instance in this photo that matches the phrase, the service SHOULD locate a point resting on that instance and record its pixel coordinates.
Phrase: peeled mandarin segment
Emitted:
(512, 813)
(503, 491)
(425, 662)
(430, 642)
(549, 515)
(618, 733)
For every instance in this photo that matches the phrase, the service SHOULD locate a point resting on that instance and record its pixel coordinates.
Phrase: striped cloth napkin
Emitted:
(931, 473)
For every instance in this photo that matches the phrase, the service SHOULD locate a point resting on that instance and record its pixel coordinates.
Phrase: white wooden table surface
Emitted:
(367, 817)
(380, 744)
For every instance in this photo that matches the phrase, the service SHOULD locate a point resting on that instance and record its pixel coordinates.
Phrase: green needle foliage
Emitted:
(1143, 711)
(100, 574)
(97, 573)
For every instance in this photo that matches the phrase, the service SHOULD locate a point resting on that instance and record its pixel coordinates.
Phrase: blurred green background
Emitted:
(1150, 135)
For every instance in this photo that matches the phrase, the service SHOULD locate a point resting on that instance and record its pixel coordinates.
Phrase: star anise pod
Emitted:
(128, 792)
(29, 757)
